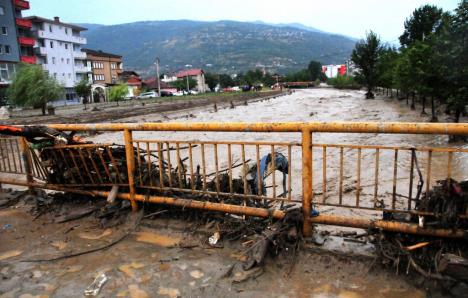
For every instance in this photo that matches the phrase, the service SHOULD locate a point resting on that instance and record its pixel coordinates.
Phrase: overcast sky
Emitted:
(348, 17)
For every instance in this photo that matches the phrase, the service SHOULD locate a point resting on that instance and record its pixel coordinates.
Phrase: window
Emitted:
(50, 28)
(66, 46)
(68, 61)
(66, 30)
(53, 60)
(4, 30)
(42, 43)
(7, 49)
(2, 10)
(63, 74)
(55, 75)
(99, 77)
(113, 65)
(51, 44)
(60, 43)
(63, 60)
(98, 65)
(69, 75)
(1, 49)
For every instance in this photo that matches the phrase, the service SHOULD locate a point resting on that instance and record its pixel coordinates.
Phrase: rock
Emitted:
(4, 113)
(170, 292)
(196, 274)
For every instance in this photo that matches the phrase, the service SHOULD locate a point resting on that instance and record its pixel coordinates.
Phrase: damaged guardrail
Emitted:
(156, 171)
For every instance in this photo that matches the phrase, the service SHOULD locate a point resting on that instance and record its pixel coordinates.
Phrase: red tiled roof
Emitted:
(189, 72)
(152, 83)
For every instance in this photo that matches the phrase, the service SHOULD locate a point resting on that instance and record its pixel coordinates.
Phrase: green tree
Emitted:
(226, 81)
(386, 68)
(211, 80)
(403, 77)
(83, 90)
(365, 56)
(423, 22)
(32, 87)
(456, 58)
(181, 84)
(118, 93)
(315, 71)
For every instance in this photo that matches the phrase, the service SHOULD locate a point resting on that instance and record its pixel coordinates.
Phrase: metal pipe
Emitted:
(348, 127)
(129, 153)
(307, 190)
(392, 226)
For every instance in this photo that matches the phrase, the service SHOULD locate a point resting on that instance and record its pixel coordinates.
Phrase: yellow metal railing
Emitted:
(148, 165)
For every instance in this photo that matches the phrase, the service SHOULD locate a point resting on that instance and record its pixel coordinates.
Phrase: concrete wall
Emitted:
(11, 39)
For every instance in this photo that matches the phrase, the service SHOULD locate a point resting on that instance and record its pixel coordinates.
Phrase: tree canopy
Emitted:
(32, 87)
(366, 55)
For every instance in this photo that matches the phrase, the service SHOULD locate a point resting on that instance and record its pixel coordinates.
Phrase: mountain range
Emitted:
(221, 46)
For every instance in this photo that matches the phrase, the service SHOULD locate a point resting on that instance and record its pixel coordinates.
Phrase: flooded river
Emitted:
(322, 104)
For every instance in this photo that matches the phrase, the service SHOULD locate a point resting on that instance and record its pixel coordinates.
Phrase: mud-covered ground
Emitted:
(113, 112)
(171, 258)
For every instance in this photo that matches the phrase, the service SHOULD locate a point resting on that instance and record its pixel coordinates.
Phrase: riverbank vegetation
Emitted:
(431, 65)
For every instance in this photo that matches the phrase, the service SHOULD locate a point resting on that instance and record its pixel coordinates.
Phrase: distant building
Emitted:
(106, 67)
(16, 40)
(58, 50)
(133, 82)
(152, 84)
(332, 71)
(105, 71)
(196, 74)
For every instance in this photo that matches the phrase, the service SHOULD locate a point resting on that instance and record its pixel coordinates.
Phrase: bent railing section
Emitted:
(337, 184)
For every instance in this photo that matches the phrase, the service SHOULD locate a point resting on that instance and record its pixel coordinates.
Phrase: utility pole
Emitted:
(157, 76)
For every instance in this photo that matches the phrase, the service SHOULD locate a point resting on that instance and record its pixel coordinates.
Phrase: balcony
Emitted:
(24, 23)
(79, 55)
(26, 41)
(29, 59)
(21, 4)
(66, 38)
(82, 69)
(40, 51)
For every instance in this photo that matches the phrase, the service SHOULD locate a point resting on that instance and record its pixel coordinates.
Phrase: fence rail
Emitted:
(246, 177)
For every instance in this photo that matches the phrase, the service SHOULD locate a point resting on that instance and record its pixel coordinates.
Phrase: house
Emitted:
(133, 82)
(196, 74)
(16, 39)
(105, 67)
(152, 84)
(105, 71)
(58, 50)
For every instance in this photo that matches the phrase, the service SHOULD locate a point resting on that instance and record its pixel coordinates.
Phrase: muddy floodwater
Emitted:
(355, 172)
(169, 258)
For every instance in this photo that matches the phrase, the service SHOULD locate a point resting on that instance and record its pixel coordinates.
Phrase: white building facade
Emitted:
(58, 49)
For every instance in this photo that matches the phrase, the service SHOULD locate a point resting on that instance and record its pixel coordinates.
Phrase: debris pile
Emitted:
(444, 260)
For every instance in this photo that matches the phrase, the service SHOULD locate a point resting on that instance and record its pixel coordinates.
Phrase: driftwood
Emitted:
(454, 266)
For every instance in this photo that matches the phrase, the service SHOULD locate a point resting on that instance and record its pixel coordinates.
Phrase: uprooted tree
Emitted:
(32, 87)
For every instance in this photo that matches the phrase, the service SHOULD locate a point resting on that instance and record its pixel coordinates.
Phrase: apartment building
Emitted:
(16, 39)
(105, 67)
(58, 50)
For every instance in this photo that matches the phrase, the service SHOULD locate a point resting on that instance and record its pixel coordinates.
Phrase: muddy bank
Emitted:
(112, 113)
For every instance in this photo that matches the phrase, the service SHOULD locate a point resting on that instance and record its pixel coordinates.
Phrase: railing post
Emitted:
(26, 157)
(307, 191)
(130, 156)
